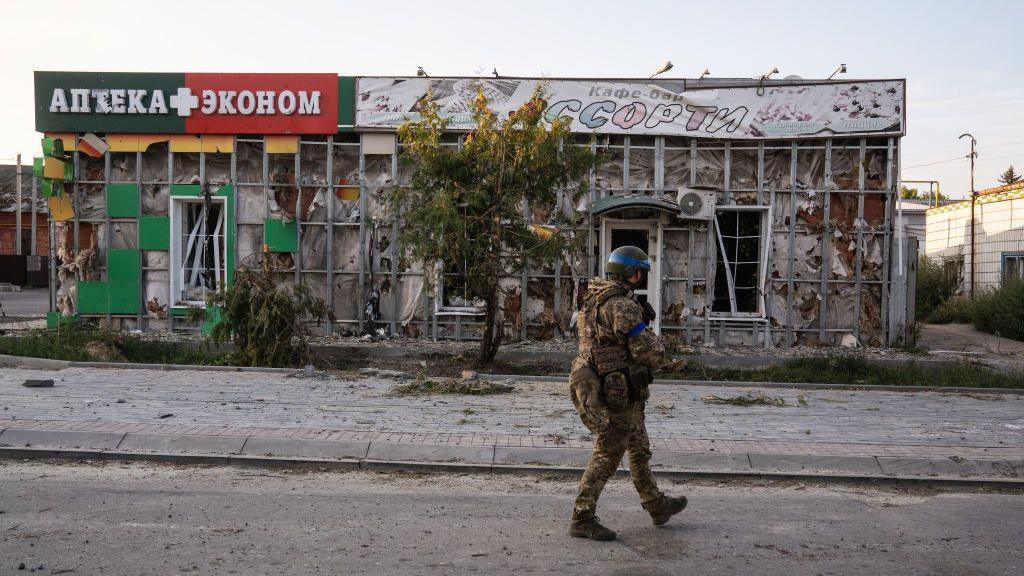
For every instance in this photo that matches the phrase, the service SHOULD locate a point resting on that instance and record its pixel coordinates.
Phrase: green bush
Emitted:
(266, 322)
(936, 284)
(1001, 311)
(958, 310)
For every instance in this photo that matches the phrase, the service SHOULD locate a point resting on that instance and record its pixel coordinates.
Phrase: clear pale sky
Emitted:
(962, 60)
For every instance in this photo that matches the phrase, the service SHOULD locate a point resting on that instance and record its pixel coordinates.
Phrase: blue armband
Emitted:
(637, 330)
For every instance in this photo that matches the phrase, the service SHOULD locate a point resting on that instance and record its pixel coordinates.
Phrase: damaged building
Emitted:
(767, 206)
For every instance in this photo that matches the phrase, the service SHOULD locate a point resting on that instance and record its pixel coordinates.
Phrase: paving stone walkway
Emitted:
(533, 424)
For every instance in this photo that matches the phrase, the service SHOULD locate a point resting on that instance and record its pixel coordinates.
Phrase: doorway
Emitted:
(643, 234)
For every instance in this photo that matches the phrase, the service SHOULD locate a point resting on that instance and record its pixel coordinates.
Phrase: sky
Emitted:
(961, 60)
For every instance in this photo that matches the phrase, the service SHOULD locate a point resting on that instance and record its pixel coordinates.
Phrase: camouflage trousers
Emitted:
(623, 432)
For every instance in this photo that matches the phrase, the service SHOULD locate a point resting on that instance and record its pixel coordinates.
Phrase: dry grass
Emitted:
(424, 386)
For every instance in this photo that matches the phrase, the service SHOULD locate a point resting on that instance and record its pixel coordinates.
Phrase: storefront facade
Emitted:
(767, 207)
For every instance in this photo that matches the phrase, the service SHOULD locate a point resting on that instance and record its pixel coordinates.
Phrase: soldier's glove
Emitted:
(590, 398)
(648, 313)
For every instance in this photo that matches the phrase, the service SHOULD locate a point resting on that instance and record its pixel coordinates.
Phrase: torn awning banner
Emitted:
(663, 108)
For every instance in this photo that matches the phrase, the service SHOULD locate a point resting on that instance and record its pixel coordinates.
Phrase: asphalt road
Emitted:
(122, 518)
(29, 303)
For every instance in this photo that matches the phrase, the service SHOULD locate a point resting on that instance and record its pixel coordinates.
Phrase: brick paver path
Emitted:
(537, 414)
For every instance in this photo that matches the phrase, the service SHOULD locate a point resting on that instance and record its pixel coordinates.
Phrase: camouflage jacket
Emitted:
(617, 322)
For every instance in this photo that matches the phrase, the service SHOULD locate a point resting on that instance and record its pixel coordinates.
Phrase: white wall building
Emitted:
(998, 250)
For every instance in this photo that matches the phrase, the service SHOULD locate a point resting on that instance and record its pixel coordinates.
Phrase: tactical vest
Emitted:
(605, 351)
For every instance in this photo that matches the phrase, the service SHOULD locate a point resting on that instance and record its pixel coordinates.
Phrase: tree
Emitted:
(909, 193)
(464, 208)
(915, 194)
(1010, 176)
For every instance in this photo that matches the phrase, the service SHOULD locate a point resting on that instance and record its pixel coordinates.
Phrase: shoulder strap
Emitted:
(602, 297)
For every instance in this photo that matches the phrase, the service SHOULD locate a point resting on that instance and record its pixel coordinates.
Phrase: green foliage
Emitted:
(265, 321)
(936, 284)
(856, 369)
(1010, 176)
(464, 207)
(74, 343)
(915, 194)
(1001, 311)
(956, 310)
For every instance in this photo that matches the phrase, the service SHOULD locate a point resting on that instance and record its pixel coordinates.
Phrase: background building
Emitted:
(27, 266)
(767, 206)
(997, 251)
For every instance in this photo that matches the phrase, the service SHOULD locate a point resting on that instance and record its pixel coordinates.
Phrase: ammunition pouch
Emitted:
(621, 381)
(640, 378)
(616, 391)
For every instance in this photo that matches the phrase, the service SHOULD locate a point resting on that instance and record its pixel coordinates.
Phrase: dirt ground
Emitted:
(963, 341)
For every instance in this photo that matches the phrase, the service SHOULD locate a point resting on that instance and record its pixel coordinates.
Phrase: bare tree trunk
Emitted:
(492, 331)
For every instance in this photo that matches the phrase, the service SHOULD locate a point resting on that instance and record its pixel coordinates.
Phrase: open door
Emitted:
(643, 234)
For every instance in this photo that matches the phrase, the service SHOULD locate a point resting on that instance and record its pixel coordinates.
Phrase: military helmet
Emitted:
(624, 261)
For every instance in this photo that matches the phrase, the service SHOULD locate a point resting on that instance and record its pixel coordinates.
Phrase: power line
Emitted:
(980, 159)
(936, 163)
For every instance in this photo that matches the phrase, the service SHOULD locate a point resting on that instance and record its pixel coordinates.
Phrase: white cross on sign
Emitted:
(184, 101)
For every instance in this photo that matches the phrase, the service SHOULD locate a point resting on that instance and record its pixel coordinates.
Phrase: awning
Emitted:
(642, 201)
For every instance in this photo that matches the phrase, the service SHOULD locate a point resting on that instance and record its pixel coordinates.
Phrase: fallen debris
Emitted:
(381, 373)
(309, 371)
(747, 399)
(38, 383)
(165, 416)
(451, 386)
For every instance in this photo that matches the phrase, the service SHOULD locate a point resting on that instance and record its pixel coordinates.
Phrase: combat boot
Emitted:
(591, 528)
(662, 510)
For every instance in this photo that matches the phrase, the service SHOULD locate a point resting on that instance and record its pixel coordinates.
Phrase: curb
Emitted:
(468, 468)
(36, 363)
(795, 385)
(48, 364)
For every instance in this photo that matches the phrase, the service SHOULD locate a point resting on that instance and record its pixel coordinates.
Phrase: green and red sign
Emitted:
(192, 103)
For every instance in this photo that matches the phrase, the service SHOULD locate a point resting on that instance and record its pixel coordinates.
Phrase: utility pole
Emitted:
(974, 197)
(17, 208)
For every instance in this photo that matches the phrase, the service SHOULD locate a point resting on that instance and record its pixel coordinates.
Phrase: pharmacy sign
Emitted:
(190, 103)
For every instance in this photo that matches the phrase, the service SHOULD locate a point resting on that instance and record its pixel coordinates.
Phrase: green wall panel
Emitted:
(92, 297)
(123, 266)
(280, 236)
(186, 190)
(123, 200)
(124, 297)
(154, 233)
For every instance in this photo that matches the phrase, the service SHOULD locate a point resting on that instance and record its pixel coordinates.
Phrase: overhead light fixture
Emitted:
(664, 68)
(841, 69)
(421, 73)
(706, 72)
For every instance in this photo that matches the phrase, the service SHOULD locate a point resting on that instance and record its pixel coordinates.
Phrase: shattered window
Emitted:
(641, 163)
(199, 249)
(738, 271)
(677, 163)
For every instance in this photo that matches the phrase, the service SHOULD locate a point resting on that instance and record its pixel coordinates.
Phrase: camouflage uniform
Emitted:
(614, 336)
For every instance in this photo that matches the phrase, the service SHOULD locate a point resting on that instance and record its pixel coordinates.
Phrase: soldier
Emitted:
(609, 381)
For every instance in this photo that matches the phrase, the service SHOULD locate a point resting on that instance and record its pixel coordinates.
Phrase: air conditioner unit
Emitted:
(696, 204)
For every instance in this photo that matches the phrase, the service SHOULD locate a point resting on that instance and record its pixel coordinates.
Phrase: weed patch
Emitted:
(87, 343)
(857, 370)
(747, 399)
(423, 386)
